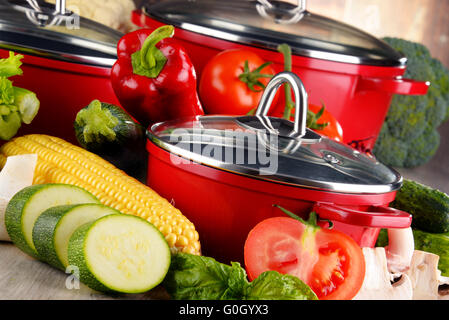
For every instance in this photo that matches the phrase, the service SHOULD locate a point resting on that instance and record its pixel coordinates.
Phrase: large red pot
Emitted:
(353, 73)
(66, 65)
(194, 163)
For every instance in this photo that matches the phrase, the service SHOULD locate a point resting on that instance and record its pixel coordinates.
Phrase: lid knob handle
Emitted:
(42, 13)
(300, 94)
(263, 7)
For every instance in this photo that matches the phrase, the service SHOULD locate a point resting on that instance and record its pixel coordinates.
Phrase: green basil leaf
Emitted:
(203, 278)
(271, 285)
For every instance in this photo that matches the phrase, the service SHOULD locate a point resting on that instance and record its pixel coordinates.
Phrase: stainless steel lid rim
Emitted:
(89, 43)
(267, 38)
(253, 174)
(57, 55)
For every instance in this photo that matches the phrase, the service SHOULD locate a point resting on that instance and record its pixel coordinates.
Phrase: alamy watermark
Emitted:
(232, 147)
(73, 280)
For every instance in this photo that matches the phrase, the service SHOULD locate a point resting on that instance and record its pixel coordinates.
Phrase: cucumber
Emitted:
(436, 243)
(25, 207)
(54, 227)
(119, 253)
(428, 207)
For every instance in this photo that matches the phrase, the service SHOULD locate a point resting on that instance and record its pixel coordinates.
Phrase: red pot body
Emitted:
(63, 88)
(225, 206)
(357, 95)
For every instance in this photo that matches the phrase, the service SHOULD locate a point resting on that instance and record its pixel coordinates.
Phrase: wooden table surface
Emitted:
(22, 277)
(25, 278)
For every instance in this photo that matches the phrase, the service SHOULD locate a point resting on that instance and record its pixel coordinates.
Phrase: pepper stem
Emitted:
(148, 50)
(149, 60)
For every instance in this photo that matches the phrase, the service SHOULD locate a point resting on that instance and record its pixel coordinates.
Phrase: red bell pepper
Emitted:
(153, 77)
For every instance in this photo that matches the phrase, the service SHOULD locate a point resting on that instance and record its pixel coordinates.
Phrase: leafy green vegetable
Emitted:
(409, 136)
(17, 105)
(9, 125)
(6, 91)
(203, 278)
(272, 285)
(27, 103)
(11, 66)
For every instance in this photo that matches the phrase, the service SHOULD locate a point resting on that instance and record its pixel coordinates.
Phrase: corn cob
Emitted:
(62, 162)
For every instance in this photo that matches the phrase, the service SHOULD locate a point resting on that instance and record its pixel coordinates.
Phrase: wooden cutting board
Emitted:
(25, 278)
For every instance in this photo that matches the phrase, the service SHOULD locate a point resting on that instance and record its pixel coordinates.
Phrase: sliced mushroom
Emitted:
(400, 249)
(17, 174)
(378, 283)
(427, 282)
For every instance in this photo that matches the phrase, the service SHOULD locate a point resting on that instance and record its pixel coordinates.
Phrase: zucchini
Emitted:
(108, 131)
(428, 207)
(119, 253)
(26, 205)
(436, 243)
(54, 227)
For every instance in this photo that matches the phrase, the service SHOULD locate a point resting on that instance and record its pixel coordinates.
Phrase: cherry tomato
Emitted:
(328, 261)
(231, 82)
(333, 128)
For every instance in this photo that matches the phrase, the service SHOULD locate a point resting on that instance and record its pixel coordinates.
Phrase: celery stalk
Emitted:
(27, 103)
(9, 125)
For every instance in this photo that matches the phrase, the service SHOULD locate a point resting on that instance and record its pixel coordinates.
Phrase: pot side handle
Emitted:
(394, 86)
(374, 217)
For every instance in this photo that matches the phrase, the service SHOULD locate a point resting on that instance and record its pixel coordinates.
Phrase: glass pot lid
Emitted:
(43, 29)
(267, 23)
(274, 149)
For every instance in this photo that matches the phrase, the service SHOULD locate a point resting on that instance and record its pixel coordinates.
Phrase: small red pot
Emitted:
(66, 68)
(353, 73)
(226, 200)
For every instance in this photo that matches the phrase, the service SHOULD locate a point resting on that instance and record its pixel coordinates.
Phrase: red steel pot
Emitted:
(67, 62)
(353, 73)
(225, 174)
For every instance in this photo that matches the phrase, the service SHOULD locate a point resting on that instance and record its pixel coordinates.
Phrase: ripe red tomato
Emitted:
(333, 128)
(223, 92)
(328, 261)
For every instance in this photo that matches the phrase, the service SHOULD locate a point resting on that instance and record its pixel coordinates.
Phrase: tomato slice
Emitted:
(330, 262)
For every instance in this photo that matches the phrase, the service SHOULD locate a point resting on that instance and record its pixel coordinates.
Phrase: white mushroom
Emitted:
(378, 283)
(17, 174)
(400, 249)
(426, 279)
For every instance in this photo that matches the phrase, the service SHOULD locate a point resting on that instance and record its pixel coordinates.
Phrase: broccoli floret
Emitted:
(409, 119)
(390, 150)
(423, 148)
(409, 136)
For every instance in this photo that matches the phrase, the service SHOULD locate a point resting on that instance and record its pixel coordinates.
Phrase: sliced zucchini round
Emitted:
(119, 253)
(54, 227)
(26, 206)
